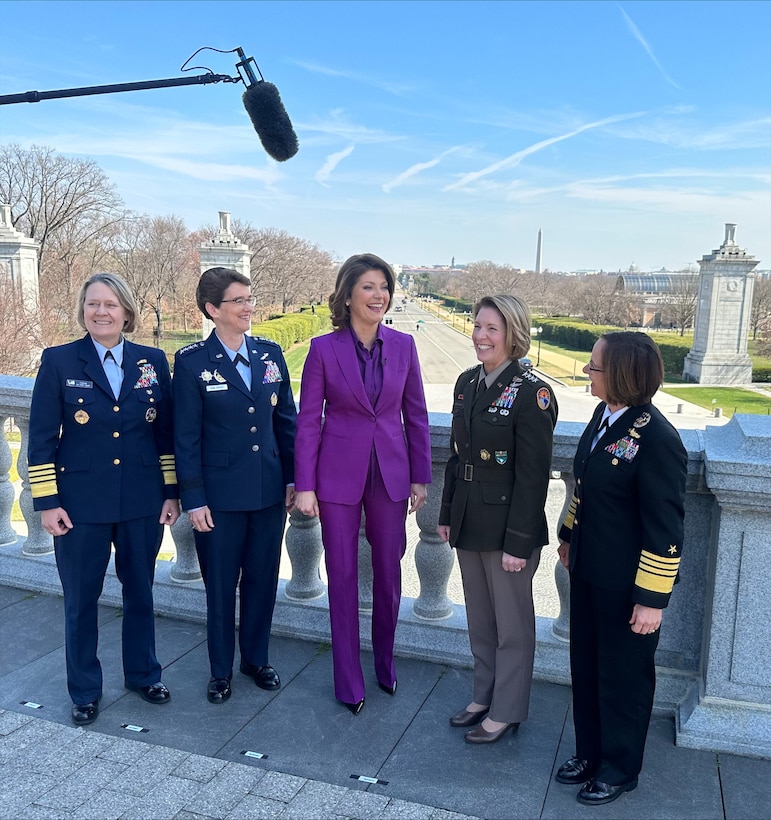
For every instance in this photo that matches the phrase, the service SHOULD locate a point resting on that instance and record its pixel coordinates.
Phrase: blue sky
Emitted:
(629, 132)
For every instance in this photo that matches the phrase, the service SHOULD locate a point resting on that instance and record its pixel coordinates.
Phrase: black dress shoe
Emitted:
(480, 735)
(86, 713)
(464, 718)
(575, 771)
(389, 690)
(596, 792)
(218, 690)
(155, 693)
(265, 677)
(355, 708)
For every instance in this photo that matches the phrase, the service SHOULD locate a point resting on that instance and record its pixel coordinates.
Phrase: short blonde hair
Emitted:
(516, 318)
(121, 290)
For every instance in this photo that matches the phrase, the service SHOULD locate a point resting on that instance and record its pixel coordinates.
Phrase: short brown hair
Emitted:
(121, 290)
(213, 284)
(634, 369)
(516, 319)
(348, 276)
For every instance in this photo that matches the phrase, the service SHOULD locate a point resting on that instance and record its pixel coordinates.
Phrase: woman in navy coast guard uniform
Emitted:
(234, 442)
(492, 511)
(101, 471)
(621, 539)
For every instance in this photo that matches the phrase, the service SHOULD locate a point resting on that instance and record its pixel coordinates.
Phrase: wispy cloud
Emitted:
(514, 159)
(398, 89)
(333, 160)
(414, 170)
(337, 124)
(637, 34)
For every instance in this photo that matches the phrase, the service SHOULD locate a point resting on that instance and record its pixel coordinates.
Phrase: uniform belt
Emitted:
(470, 472)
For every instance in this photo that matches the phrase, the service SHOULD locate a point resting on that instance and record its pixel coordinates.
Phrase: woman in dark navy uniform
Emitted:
(234, 442)
(492, 511)
(621, 539)
(101, 471)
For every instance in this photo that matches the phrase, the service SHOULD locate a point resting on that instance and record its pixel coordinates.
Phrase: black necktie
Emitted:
(239, 359)
(600, 431)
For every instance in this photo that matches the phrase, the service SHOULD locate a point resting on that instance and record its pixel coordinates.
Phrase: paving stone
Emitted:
(34, 812)
(223, 792)
(278, 786)
(18, 794)
(104, 805)
(444, 814)
(10, 721)
(28, 734)
(143, 775)
(260, 808)
(166, 799)
(315, 800)
(125, 751)
(189, 815)
(362, 805)
(75, 789)
(405, 810)
(200, 768)
(65, 758)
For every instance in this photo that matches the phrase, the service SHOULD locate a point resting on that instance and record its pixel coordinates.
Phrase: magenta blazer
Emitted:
(334, 461)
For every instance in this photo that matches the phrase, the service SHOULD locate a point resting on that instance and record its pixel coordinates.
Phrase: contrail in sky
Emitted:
(637, 34)
(415, 169)
(333, 160)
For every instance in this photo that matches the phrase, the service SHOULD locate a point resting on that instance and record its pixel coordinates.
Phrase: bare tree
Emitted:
(761, 306)
(47, 192)
(681, 300)
(598, 300)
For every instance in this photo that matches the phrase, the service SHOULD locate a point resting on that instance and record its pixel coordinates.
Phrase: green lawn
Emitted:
(729, 399)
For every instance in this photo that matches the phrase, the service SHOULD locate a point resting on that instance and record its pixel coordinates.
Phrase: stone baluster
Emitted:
(185, 569)
(38, 541)
(304, 548)
(434, 558)
(561, 625)
(7, 493)
(365, 568)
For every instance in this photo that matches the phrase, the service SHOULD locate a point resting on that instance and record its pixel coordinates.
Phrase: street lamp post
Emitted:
(538, 360)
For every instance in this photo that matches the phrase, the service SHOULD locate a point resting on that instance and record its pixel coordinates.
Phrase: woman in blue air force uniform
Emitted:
(234, 443)
(101, 471)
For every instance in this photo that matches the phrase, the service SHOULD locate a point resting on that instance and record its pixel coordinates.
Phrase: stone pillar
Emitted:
(732, 710)
(224, 250)
(304, 548)
(726, 281)
(19, 273)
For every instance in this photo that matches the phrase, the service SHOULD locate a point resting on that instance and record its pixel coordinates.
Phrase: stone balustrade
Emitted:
(714, 657)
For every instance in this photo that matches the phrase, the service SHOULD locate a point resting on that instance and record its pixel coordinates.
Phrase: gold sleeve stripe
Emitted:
(570, 517)
(42, 480)
(653, 582)
(168, 468)
(660, 559)
(656, 573)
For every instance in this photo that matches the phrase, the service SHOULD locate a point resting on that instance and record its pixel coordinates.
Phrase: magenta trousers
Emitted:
(386, 534)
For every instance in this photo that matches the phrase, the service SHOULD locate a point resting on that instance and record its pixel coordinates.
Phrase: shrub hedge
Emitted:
(292, 328)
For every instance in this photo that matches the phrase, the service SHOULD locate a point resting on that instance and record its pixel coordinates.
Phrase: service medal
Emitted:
(206, 376)
(273, 399)
(151, 414)
(81, 417)
(484, 455)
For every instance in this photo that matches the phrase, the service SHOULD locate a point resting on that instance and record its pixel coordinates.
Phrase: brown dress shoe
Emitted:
(464, 718)
(481, 735)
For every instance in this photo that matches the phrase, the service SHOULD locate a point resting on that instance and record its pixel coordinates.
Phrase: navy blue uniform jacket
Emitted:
(234, 447)
(102, 460)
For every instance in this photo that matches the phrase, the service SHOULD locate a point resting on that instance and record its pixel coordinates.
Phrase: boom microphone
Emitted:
(266, 111)
(270, 120)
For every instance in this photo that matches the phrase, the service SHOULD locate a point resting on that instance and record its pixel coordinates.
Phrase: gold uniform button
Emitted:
(578, 481)
(116, 408)
(255, 447)
(152, 400)
(61, 469)
(116, 461)
(252, 429)
(116, 434)
(80, 401)
(250, 410)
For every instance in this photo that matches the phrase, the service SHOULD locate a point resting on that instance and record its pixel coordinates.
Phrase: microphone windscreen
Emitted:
(270, 120)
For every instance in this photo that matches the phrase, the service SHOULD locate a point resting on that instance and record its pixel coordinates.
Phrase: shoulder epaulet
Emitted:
(266, 340)
(188, 348)
(528, 376)
(469, 369)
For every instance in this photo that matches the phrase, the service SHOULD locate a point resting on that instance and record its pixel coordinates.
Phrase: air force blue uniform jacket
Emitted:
(234, 446)
(102, 459)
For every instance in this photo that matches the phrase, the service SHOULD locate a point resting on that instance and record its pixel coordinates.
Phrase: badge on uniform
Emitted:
(218, 377)
(484, 455)
(492, 409)
(79, 383)
(151, 414)
(504, 412)
(543, 397)
(147, 376)
(81, 417)
(206, 376)
(272, 373)
(214, 388)
(273, 399)
(641, 420)
(501, 456)
(624, 448)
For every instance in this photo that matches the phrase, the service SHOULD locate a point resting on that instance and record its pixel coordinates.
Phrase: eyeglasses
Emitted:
(241, 301)
(595, 369)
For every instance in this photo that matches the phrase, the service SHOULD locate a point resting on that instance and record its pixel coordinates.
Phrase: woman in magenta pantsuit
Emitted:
(373, 451)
